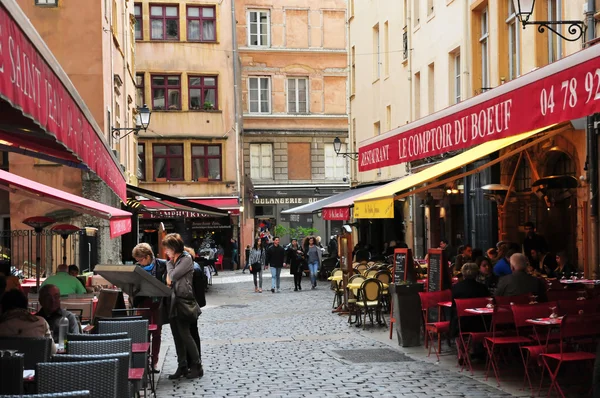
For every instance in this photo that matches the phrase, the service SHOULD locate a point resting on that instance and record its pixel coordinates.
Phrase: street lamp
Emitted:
(524, 10)
(142, 120)
(337, 146)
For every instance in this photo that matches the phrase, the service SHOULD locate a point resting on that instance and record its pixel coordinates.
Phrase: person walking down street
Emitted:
(276, 260)
(247, 256)
(234, 253)
(156, 267)
(314, 257)
(294, 257)
(184, 309)
(256, 258)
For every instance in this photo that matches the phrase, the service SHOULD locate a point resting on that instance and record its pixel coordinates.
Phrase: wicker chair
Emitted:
(99, 347)
(35, 349)
(11, 374)
(370, 301)
(72, 394)
(123, 370)
(88, 337)
(99, 377)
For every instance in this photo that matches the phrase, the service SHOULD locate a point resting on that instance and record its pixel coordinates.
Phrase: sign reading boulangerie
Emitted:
(565, 90)
(28, 82)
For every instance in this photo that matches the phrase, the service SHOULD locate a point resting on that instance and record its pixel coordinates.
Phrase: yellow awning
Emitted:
(379, 203)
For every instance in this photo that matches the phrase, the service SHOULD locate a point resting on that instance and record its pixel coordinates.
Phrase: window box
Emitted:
(202, 179)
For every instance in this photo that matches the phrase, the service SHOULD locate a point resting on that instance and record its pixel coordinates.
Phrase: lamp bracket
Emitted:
(351, 155)
(116, 132)
(575, 28)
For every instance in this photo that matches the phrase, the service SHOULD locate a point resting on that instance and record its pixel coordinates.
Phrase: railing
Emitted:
(18, 248)
(405, 45)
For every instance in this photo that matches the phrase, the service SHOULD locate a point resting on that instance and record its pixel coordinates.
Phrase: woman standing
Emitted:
(293, 257)
(257, 263)
(184, 309)
(314, 256)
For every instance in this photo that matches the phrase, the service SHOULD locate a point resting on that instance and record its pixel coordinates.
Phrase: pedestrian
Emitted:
(294, 256)
(184, 308)
(156, 267)
(256, 258)
(198, 284)
(247, 252)
(276, 260)
(314, 256)
(234, 253)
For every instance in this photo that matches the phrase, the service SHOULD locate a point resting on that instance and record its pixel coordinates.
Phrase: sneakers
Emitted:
(278, 290)
(272, 290)
(313, 287)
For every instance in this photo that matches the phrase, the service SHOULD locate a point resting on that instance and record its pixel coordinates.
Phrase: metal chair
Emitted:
(430, 300)
(35, 349)
(89, 337)
(99, 377)
(72, 394)
(123, 368)
(370, 300)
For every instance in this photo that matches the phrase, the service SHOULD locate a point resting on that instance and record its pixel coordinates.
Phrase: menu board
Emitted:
(403, 265)
(437, 271)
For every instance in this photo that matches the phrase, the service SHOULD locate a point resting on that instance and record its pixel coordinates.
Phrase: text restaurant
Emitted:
(530, 131)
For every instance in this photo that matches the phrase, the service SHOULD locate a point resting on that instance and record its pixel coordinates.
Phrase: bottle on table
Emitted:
(63, 329)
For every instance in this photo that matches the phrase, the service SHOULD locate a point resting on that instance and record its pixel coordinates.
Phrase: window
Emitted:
(523, 177)
(554, 42)
(351, 8)
(431, 87)
(259, 32)
(201, 24)
(417, 95)
(203, 92)
(141, 163)
(140, 99)
(386, 48)
(164, 22)
(429, 7)
(376, 53)
(166, 92)
(168, 162)
(353, 70)
(457, 87)
(376, 128)
(483, 42)
(297, 95)
(335, 166)
(388, 118)
(260, 94)
(206, 162)
(416, 12)
(137, 13)
(514, 69)
(46, 2)
(261, 161)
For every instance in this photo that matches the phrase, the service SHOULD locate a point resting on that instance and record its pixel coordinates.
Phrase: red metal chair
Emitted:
(502, 316)
(466, 338)
(572, 329)
(508, 300)
(572, 307)
(530, 353)
(431, 300)
(219, 262)
(564, 294)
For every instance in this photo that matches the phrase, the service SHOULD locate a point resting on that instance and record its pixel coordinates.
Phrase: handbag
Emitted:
(185, 309)
(254, 268)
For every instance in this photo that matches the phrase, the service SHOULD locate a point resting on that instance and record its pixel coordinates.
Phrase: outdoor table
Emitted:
(355, 286)
(544, 322)
(28, 375)
(336, 278)
(480, 311)
(447, 304)
(580, 281)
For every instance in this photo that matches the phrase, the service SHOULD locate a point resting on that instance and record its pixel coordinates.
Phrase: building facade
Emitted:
(184, 73)
(95, 47)
(294, 102)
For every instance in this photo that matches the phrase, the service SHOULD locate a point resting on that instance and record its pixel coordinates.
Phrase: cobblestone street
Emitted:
(290, 345)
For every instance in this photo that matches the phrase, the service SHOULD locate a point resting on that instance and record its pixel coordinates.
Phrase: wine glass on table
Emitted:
(490, 304)
(553, 314)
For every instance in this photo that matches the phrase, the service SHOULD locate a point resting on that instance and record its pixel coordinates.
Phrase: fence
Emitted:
(19, 249)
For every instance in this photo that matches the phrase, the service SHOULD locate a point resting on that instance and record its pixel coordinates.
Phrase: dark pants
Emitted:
(297, 279)
(596, 375)
(155, 319)
(196, 336)
(184, 343)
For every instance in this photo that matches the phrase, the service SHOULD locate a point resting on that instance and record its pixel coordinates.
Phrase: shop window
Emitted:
(168, 162)
(166, 92)
(560, 164)
(259, 30)
(201, 23)
(523, 178)
(164, 22)
(206, 162)
(137, 13)
(264, 211)
(203, 92)
(261, 161)
(141, 163)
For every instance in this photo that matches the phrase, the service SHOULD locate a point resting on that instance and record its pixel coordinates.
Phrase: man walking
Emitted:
(275, 260)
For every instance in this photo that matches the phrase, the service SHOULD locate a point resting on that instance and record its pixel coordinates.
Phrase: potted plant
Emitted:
(208, 106)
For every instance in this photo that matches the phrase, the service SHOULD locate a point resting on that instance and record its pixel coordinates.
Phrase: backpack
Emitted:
(199, 283)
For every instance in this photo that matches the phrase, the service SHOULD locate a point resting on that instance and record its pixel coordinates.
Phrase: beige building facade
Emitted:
(294, 102)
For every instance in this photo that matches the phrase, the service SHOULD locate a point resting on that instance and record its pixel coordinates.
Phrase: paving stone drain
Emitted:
(372, 355)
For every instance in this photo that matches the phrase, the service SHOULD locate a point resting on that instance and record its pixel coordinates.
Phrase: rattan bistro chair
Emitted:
(370, 301)
(91, 337)
(353, 296)
(99, 377)
(72, 394)
(99, 347)
(35, 349)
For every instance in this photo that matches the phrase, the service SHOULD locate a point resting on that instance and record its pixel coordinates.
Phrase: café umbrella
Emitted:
(38, 223)
(64, 230)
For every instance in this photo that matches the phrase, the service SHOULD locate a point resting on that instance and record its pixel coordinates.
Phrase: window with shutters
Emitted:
(335, 166)
(261, 161)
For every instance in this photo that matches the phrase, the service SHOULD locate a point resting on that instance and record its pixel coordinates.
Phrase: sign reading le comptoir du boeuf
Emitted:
(565, 90)
(27, 81)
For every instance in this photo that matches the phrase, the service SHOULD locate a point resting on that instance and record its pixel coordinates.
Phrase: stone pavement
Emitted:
(290, 345)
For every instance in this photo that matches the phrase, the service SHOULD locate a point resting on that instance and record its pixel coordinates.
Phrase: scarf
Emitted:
(151, 269)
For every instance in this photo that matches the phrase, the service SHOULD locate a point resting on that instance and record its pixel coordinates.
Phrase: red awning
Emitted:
(564, 90)
(340, 210)
(120, 220)
(231, 204)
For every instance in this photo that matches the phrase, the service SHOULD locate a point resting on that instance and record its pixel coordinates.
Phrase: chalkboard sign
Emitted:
(437, 271)
(403, 265)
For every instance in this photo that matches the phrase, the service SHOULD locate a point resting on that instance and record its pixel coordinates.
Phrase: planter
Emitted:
(202, 179)
(407, 311)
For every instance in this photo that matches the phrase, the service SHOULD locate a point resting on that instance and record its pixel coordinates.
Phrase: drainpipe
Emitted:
(592, 157)
(236, 111)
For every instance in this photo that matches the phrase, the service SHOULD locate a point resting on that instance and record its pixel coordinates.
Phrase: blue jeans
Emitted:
(314, 268)
(275, 278)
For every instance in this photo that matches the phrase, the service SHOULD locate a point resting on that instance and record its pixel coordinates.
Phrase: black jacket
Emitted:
(275, 256)
(519, 283)
(294, 257)
(468, 288)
